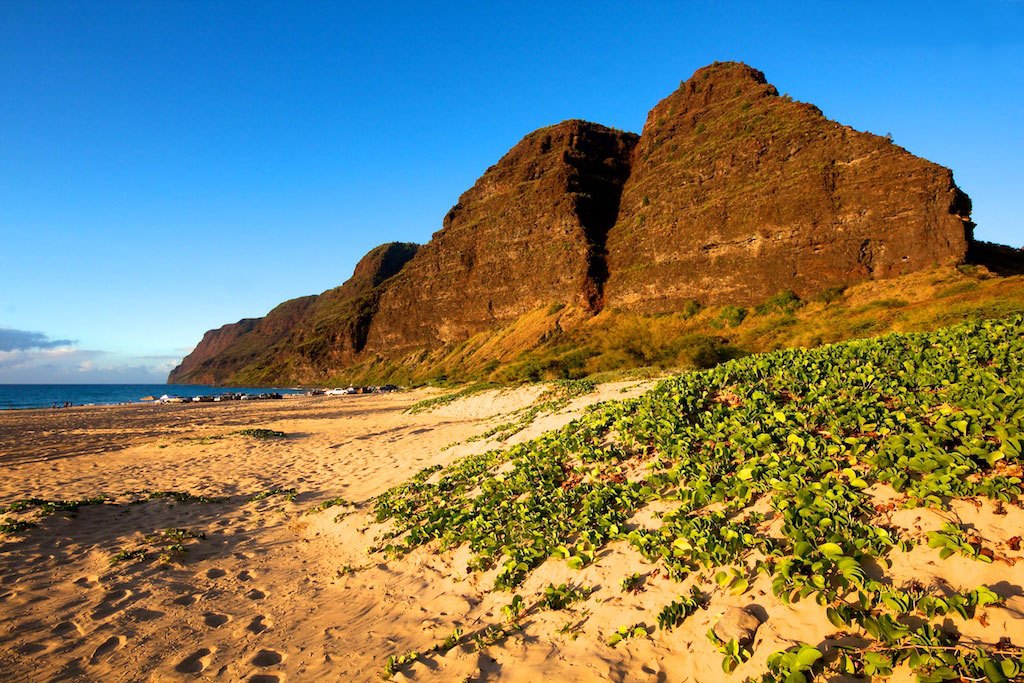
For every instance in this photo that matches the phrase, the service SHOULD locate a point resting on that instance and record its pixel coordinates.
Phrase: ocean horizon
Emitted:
(20, 396)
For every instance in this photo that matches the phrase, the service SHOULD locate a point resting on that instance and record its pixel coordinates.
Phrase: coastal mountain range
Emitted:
(732, 196)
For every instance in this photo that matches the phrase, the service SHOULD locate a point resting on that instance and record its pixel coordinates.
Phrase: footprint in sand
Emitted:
(65, 628)
(255, 594)
(184, 600)
(106, 648)
(143, 614)
(31, 648)
(195, 662)
(215, 573)
(112, 602)
(265, 658)
(244, 576)
(258, 624)
(215, 620)
(264, 678)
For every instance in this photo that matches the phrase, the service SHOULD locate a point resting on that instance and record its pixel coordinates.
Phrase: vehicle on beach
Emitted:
(353, 390)
(273, 395)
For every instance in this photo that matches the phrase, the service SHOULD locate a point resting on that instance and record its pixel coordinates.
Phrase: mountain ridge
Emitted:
(730, 195)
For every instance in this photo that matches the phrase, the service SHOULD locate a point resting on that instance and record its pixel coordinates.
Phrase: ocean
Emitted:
(45, 395)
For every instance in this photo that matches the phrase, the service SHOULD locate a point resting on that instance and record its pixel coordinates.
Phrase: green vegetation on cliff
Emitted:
(563, 343)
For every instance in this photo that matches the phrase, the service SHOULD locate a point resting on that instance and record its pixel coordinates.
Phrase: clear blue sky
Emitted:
(168, 167)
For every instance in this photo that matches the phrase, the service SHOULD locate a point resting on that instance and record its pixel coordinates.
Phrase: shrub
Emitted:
(689, 309)
(732, 315)
(887, 303)
(786, 302)
(257, 433)
(701, 352)
(831, 294)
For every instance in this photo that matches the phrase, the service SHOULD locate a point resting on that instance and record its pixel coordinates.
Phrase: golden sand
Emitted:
(275, 591)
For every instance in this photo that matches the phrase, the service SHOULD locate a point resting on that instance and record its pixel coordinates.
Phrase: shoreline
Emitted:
(156, 401)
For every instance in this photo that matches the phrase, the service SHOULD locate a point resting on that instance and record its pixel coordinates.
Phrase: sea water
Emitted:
(46, 395)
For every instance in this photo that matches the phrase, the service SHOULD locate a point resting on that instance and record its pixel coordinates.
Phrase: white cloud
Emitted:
(71, 365)
(19, 358)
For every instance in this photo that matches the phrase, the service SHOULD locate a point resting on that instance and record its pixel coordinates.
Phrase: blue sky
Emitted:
(168, 167)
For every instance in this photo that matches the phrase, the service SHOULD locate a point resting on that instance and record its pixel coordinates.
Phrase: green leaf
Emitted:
(682, 544)
(830, 549)
(993, 672)
(835, 618)
(808, 655)
(983, 595)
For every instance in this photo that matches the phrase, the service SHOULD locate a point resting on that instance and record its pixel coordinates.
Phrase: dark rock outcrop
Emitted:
(998, 258)
(737, 193)
(336, 327)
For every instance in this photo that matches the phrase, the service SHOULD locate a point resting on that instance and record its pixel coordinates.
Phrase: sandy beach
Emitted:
(271, 592)
(259, 584)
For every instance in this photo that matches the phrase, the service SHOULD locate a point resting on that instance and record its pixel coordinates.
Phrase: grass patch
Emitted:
(128, 556)
(433, 402)
(16, 526)
(180, 497)
(165, 545)
(287, 494)
(258, 433)
(554, 399)
(48, 507)
(327, 504)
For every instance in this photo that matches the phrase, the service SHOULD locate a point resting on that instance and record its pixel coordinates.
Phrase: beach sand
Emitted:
(270, 589)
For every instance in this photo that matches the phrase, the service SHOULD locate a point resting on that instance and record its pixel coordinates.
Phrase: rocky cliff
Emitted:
(529, 233)
(300, 339)
(228, 349)
(737, 193)
(731, 195)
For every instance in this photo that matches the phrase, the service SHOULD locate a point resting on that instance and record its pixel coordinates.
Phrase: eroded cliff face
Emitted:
(334, 331)
(737, 193)
(731, 195)
(299, 339)
(530, 232)
(222, 352)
